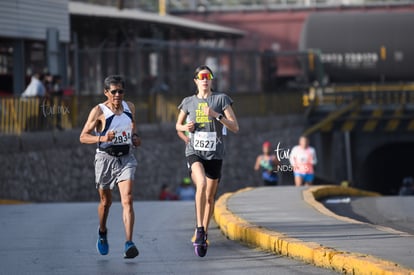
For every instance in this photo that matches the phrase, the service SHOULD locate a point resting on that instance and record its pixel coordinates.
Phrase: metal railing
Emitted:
(19, 115)
(385, 94)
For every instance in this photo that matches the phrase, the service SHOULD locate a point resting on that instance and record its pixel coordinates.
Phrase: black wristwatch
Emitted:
(219, 117)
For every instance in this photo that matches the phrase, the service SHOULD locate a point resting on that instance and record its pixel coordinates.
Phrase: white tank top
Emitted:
(120, 124)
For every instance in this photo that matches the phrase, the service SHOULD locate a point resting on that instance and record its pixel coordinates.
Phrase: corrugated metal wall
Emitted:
(28, 19)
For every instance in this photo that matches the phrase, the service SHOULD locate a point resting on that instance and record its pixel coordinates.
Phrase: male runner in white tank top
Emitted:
(111, 125)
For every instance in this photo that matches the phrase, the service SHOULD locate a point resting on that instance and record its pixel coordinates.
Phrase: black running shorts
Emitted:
(212, 167)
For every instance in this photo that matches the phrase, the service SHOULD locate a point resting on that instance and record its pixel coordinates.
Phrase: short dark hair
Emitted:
(113, 80)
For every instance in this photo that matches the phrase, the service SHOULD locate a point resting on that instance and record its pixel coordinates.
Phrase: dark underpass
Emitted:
(385, 168)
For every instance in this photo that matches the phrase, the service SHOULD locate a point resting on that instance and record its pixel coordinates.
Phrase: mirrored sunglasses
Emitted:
(201, 76)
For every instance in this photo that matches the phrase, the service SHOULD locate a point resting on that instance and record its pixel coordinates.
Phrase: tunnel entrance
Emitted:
(385, 168)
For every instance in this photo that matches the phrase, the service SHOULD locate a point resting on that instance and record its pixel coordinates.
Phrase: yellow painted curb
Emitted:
(314, 193)
(236, 228)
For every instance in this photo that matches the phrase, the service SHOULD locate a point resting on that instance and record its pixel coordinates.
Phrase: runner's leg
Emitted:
(103, 207)
(298, 180)
(211, 191)
(128, 215)
(199, 178)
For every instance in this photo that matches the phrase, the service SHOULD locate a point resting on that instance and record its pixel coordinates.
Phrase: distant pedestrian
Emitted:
(166, 194)
(303, 158)
(267, 163)
(36, 88)
(186, 190)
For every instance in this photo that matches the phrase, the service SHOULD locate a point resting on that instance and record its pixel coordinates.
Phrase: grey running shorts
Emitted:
(109, 170)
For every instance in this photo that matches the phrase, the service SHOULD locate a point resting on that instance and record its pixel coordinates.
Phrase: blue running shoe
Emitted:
(102, 243)
(131, 250)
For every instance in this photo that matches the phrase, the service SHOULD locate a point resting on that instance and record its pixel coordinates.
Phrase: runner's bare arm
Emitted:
(229, 120)
(183, 137)
(257, 164)
(87, 136)
(181, 126)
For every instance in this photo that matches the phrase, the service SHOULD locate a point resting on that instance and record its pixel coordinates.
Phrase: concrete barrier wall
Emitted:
(54, 166)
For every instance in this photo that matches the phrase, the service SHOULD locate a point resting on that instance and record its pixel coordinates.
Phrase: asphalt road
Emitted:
(60, 239)
(395, 212)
